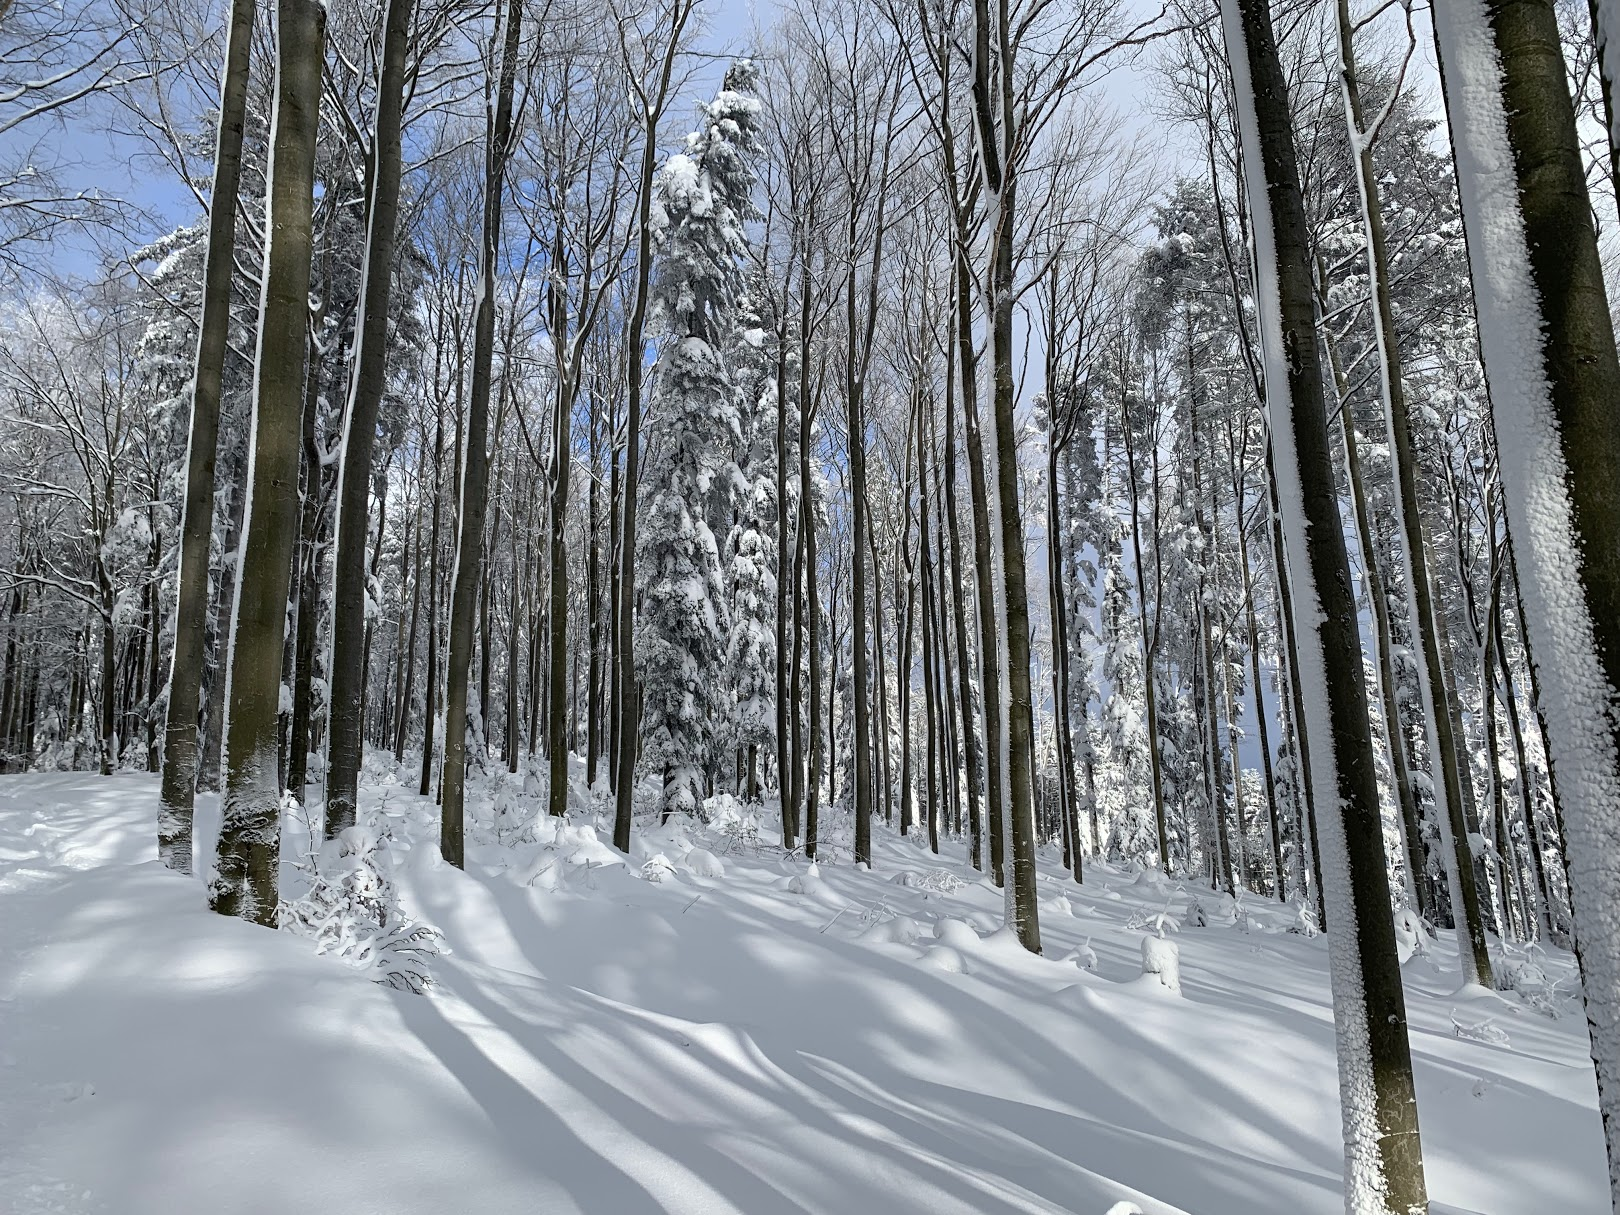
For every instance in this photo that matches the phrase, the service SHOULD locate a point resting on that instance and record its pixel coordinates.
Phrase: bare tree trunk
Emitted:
(807, 522)
(475, 455)
(250, 833)
(430, 684)
(360, 427)
(593, 601)
(1150, 646)
(625, 690)
(1443, 749)
(179, 784)
(1383, 640)
(305, 595)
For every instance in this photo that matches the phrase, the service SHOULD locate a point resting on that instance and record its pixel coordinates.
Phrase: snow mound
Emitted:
(704, 864)
(900, 930)
(956, 934)
(943, 957)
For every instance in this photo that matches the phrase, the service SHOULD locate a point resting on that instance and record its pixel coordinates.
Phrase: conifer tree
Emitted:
(704, 199)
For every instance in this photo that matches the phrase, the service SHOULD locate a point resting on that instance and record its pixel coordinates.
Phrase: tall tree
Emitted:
(653, 90)
(469, 562)
(1549, 350)
(705, 197)
(250, 832)
(178, 790)
(1383, 1170)
(349, 596)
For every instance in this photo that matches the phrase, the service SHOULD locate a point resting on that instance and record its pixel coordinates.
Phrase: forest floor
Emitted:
(759, 1041)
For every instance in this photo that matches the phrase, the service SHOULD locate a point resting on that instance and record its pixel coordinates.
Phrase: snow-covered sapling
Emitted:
(352, 912)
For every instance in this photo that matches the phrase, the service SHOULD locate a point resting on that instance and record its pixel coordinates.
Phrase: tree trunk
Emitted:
(1554, 377)
(475, 456)
(249, 841)
(179, 783)
(305, 593)
(625, 691)
(1421, 611)
(1383, 640)
(1383, 1156)
(360, 428)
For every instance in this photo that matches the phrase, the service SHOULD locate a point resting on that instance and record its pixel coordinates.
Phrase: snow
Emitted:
(706, 1046)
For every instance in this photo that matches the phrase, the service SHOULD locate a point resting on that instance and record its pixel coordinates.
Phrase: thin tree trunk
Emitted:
(475, 456)
(625, 690)
(178, 789)
(1432, 685)
(360, 427)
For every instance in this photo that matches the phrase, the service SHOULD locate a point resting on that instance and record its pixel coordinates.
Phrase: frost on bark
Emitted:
(1549, 350)
(244, 883)
(1383, 1155)
(179, 781)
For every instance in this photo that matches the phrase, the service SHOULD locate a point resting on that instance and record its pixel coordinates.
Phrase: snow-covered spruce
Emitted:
(704, 201)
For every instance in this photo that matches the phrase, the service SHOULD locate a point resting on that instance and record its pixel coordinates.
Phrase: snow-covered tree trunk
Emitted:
(244, 882)
(179, 781)
(1383, 1155)
(1549, 351)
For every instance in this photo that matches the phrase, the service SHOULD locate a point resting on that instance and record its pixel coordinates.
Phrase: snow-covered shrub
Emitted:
(657, 868)
(1305, 920)
(1411, 935)
(515, 815)
(704, 864)
(352, 912)
(1522, 971)
(1161, 959)
(1196, 916)
(1156, 922)
(1478, 1031)
(1085, 957)
(935, 881)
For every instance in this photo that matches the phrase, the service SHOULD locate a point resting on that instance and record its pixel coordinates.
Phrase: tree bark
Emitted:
(360, 428)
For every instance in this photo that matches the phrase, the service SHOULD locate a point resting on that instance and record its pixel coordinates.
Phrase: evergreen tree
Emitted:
(704, 200)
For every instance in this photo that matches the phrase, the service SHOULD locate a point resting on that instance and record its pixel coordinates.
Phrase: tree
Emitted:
(1383, 1153)
(705, 199)
(244, 883)
(349, 593)
(179, 787)
(1549, 349)
(469, 562)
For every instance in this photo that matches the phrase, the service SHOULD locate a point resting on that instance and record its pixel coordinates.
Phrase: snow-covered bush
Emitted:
(657, 868)
(1161, 960)
(352, 912)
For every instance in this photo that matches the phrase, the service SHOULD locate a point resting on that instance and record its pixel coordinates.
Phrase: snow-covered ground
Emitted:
(761, 1040)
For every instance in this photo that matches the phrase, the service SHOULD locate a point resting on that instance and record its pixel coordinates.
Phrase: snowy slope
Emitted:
(759, 1041)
